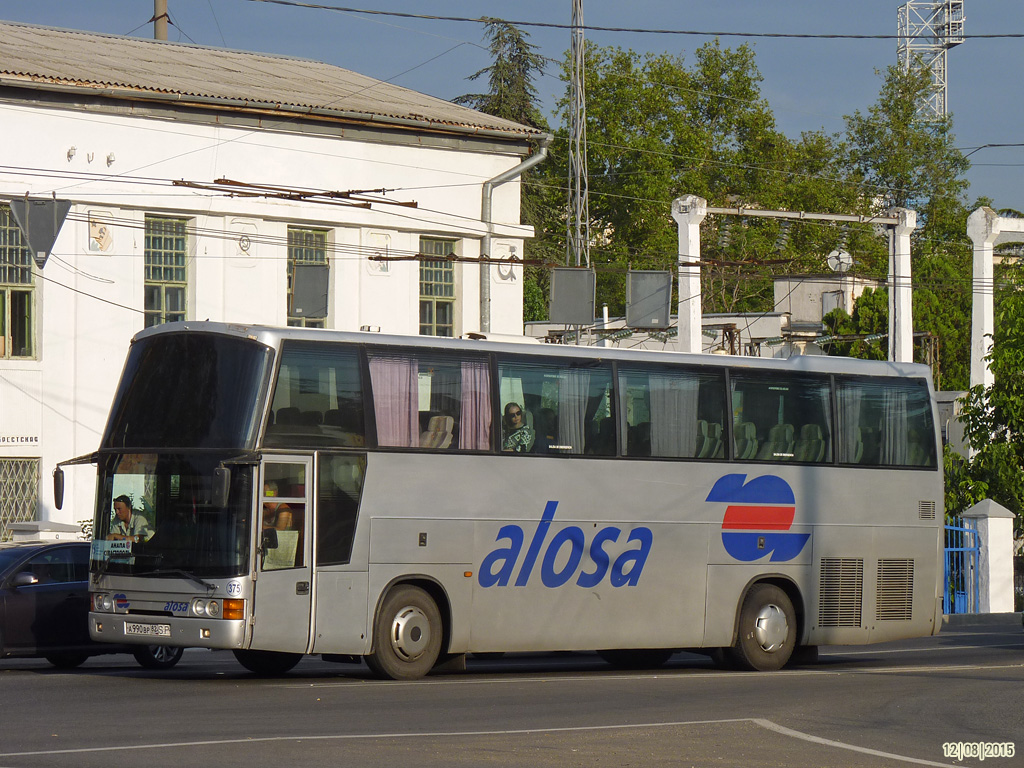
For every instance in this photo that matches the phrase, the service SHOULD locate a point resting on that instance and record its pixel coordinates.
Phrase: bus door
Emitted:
(283, 589)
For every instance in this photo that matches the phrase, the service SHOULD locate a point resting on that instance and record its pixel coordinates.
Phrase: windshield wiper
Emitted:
(178, 572)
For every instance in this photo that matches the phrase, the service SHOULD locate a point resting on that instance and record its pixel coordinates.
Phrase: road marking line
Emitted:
(769, 725)
(766, 724)
(367, 736)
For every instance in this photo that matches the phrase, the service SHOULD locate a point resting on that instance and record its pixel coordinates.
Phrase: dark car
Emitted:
(44, 607)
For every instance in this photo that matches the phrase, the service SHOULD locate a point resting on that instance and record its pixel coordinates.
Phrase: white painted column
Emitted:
(689, 211)
(982, 228)
(995, 561)
(901, 316)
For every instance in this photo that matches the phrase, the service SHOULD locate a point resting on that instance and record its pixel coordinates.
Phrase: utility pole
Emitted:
(578, 223)
(159, 19)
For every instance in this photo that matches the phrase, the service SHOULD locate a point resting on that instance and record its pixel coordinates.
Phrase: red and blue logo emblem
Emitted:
(758, 518)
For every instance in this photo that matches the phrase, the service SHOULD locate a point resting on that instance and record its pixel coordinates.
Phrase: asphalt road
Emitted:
(895, 704)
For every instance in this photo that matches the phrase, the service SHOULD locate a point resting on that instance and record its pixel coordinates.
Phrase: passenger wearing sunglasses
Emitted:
(519, 435)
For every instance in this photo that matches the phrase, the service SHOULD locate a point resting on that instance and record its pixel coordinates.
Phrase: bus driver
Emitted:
(130, 525)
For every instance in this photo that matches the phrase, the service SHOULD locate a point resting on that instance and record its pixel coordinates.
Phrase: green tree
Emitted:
(658, 128)
(512, 95)
(993, 417)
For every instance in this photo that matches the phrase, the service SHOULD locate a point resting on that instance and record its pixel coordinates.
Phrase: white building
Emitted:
(204, 183)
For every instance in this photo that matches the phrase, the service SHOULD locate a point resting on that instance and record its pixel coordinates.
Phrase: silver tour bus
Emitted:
(409, 500)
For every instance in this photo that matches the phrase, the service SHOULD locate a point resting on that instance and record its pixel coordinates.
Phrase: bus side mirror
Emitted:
(58, 487)
(221, 486)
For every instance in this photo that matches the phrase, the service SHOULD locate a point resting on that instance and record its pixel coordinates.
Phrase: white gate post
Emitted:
(689, 211)
(995, 558)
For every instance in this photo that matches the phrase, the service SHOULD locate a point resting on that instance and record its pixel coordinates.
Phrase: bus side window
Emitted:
(885, 422)
(672, 412)
(318, 397)
(341, 485)
(431, 401)
(573, 397)
(781, 417)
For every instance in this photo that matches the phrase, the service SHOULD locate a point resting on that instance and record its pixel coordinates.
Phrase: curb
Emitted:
(982, 619)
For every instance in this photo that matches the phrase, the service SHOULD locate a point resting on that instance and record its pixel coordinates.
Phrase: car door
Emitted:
(53, 612)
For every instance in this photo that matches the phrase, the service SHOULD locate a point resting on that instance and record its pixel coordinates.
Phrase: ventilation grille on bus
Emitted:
(895, 598)
(926, 510)
(841, 592)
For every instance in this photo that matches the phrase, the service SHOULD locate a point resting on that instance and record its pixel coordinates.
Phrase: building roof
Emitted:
(43, 58)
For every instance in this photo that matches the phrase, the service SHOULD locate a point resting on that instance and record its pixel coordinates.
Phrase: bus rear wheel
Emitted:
(267, 663)
(406, 635)
(767, 629)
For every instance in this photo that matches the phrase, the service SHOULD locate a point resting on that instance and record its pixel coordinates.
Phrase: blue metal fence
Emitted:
(962, 548)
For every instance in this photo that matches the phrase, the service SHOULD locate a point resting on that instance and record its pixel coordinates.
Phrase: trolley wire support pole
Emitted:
(577, 247)
(901, 320)
(689, 211)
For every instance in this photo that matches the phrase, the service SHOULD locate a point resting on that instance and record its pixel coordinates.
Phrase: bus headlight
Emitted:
(102, 603)
(213, 609)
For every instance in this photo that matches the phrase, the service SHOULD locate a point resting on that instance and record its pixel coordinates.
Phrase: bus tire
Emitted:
(767, 631)
(637, 658)
(158, 656)
(267, 663)
(406, 635)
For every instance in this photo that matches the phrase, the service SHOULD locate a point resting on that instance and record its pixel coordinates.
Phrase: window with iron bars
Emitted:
(19, 493)
(305, 246)
(17, 290)
(437, 288)
(166, 269)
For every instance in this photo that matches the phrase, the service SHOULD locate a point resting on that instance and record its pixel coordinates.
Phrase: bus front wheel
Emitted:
(767, 629)
(406, 635)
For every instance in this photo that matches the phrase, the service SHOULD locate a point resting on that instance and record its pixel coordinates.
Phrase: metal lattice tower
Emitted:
(927, 30)
(578, 240)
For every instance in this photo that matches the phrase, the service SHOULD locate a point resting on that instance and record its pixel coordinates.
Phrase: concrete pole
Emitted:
(159, 19)
(901, 314)
(689, 211)
(982, 228)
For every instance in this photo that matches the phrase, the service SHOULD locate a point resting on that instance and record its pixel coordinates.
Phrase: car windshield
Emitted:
(158, 513)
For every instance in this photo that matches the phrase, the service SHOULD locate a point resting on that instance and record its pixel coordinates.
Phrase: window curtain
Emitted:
(894, 437)
(396, 400)
(849, 399)
(572, 409)
(673, 415)
(475, 420)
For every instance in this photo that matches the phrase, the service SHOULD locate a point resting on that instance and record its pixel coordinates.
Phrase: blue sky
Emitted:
(810, 84)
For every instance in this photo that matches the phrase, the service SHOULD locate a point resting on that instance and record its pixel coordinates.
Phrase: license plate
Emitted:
(149, 630)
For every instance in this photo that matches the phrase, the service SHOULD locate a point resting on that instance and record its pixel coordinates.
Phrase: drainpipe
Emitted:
(485, 216)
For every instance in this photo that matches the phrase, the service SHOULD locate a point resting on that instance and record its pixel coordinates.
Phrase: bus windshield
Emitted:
(181, 390)
(155, 514)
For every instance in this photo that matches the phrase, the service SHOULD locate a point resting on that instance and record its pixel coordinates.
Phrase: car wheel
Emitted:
(67, 660)
(158, 656)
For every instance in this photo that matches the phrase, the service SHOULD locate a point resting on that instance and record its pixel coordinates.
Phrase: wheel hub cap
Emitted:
(410, 632)
(771, 628)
